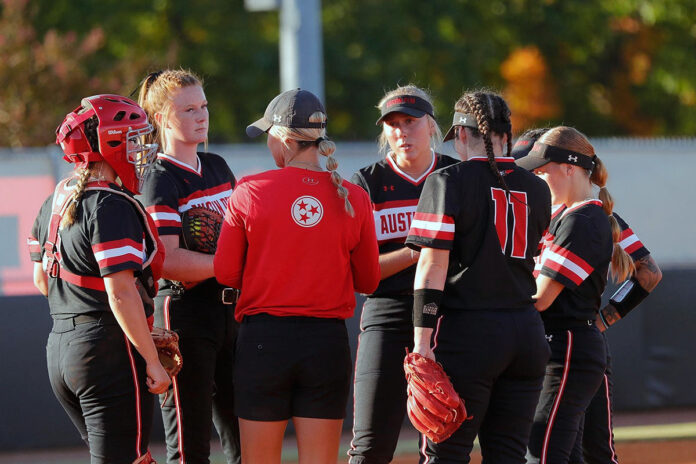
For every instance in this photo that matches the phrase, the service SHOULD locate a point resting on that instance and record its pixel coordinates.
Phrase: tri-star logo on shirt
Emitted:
(307, 211)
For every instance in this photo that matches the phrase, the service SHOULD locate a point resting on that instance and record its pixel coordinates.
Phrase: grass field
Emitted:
(662, 437)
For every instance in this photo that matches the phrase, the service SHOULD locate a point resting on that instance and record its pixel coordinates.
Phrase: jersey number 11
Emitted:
(518, 202)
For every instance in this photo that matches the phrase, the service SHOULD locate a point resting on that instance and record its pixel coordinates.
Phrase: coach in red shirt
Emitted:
(298, 241)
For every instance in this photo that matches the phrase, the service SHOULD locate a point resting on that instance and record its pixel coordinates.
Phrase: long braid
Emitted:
(482, 111)
(71, 212)
(326, 148)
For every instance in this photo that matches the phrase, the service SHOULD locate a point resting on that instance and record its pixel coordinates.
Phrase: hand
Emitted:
(424, 350)
(600, 325)
(157, 378)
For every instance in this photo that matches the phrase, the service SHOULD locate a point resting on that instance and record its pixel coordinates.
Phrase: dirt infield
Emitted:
(644, 452)
(652, 437)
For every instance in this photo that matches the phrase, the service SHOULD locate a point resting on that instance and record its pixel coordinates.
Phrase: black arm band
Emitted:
(426, 307)
(628, 296)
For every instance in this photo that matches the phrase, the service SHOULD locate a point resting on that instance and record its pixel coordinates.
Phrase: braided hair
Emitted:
(492, 116)
(306, 137)
(83, 175)
(570, 138)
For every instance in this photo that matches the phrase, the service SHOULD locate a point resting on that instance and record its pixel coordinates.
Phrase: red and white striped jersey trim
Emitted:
(34, 245)
(566, 262)
(214, 198)
(413, 180)
(181, 164)
(118, 251)
(164, 216)
(629, 241)
(436, 226)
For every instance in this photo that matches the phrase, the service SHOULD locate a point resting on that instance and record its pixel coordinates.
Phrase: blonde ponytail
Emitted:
(325, 147)
(622, 266)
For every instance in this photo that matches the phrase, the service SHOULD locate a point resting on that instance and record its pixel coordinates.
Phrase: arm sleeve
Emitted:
(38, 230)
(574, 253)
(364, 258)
(630, 242)
(433, 224)
(117, 237)
(232, 243)
(161, 200)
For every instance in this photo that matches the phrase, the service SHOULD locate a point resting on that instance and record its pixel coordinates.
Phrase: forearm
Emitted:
(128, 309)
(396, 261)
(187, 266)
(644, 281)
(184, 265)
(429, 284)
(547, 292)
(40, 279)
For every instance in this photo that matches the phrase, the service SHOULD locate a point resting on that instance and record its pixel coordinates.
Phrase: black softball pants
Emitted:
(496, 361)
(595, 441)
(99, 379)
(379, 390)
(573, 376)
(203, 390)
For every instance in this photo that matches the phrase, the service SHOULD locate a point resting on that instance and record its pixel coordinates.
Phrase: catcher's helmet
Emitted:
(121, 125)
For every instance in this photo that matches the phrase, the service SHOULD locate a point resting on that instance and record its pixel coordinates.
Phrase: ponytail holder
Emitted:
(148, 81)
(594, 158)
(320, 139)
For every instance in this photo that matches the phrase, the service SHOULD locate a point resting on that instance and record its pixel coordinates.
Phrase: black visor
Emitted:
(407, 104)
(542, 154)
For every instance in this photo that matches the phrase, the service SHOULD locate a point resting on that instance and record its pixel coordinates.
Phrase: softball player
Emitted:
(190, 301)
(595, 436)
(298, 241)
(576, 255)
(89, 242)
(477, 225)
(394, 184)
(595, 442)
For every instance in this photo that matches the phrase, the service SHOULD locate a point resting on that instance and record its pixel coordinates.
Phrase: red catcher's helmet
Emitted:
(122, 124)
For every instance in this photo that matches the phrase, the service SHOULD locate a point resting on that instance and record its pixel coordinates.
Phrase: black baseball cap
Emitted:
(461, 119)
(542, 154)
(291, 108)
(408, 104)
(525, 142)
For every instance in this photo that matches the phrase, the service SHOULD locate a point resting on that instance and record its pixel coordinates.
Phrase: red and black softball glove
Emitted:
(434, 407)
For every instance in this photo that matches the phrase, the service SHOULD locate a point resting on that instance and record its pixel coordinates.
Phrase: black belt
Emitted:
(225, 295)
(103, 317)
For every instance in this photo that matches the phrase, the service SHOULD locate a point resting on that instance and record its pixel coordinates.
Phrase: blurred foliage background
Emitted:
(620, 67)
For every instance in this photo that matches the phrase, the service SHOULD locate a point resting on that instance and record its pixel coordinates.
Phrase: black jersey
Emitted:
(394, 195)
(576, 253)
(492, 236)
(173, 187)
(107, 237)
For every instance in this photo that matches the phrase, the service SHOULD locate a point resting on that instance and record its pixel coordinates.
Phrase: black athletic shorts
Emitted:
(291, 367)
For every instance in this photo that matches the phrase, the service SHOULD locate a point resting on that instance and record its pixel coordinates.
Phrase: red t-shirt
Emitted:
(291, 247)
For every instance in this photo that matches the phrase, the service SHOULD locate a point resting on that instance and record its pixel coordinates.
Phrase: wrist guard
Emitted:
(426, 307)
(628, 296)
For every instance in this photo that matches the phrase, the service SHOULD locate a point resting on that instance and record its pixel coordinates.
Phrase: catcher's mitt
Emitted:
(200, 229)
(434, 407)
(167, 344)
